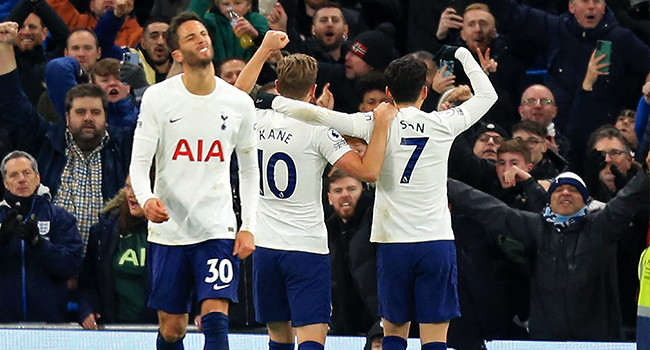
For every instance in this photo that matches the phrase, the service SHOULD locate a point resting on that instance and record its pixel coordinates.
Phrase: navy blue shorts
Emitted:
(417, 281)
(292, 286)
(208, 268)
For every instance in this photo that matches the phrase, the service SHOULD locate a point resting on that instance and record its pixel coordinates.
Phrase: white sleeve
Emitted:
(145, 142)
(356, 125)
(249, 176)
(484, 94)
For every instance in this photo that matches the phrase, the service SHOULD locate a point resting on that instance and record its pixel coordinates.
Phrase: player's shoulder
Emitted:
(164, 87)
(232, 92)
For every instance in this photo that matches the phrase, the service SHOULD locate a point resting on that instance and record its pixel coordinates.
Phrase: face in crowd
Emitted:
(344, 195)
(21, 179)
(83, 47)
(329, 28)
(538, 104)
(153, 43)
(536, 143)
(615, 154)
(31, 34)
(478, 30)
(487, 144)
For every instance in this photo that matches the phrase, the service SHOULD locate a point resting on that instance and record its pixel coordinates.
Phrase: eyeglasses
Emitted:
(486, 138)
(614, 154)
(534, 101)
(531, 142)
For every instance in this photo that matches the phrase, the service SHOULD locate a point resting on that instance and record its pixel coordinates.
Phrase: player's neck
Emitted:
(199, 80)
(417, 104)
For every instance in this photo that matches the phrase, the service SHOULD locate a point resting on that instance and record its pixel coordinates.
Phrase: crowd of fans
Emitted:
(587, 114)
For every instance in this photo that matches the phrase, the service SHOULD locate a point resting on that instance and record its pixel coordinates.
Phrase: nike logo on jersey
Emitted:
(216, 287)
(175, 120)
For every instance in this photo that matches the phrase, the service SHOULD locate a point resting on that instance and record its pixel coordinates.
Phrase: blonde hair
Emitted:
(296, 75)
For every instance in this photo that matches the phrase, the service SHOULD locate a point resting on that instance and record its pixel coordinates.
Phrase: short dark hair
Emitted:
(515, 146)
(532, 127)
(405, 78)
(15, 155)
(172, 33)
(327, 5)
(337, 174)
(82, 29)
(371, 81)
(85, 90)
(153, 20)
(606, 132)
(221, 62)
(296, 75)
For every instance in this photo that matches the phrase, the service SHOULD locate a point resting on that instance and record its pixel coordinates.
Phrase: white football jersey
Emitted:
(192, 138)
(411, 199)
(292, 156)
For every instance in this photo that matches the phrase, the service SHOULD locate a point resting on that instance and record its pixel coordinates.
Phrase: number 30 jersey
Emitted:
(292, 156)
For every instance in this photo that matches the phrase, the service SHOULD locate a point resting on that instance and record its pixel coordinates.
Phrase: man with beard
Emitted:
(191, 124)
(36, 20)
(84, 163)
(330, 31)
(151, 53)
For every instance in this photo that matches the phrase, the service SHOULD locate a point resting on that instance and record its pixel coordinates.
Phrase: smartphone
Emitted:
(131, 57)
(604, 47)
(450, 67)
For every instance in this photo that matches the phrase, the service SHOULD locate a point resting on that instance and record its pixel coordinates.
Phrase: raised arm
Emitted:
(273, 41)
(8, 34)
(484, 94)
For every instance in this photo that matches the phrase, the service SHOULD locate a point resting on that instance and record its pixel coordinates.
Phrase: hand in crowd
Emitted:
(8, 32)
(646, 93)
(488, 64)
(243, 26)
(594, 71)
(278, 18)
(514, 175)
(274, 40)
(448, 20)
(244, 244)
(460, 94)
(90, 322)
(155, 211)
(326, 99)
(441, 83)
(385, 113)
(123, 7)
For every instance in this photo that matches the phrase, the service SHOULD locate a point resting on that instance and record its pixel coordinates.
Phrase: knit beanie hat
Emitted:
(374, 48)
(485, 127)
(569, 178)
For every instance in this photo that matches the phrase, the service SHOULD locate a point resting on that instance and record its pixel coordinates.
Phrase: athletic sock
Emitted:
(393, 343)
(434, 346)
(310, 345)
(162, 344)
(215, 329)
(280, 346)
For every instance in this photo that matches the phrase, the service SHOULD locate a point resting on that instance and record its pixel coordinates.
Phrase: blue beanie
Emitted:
(569, 178)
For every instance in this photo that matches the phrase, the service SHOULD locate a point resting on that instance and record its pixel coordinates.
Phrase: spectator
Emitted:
(643, 316)
(229, 69)
(36, 20)
(372, 89)
(226, 38)
(371, 50)
(329, 31)
(304, 12)
(569, 41)
(538, 104)
(129, 33)
(354, 267)
(479, 34)
(115, 282)
(625, 124)
(84, 163)
(547, 164)
(608, 168)
(375, 337)
(40, 247)
(121, 112)
(572, 249)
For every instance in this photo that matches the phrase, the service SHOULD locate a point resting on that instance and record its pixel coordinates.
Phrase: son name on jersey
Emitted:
(418, 127)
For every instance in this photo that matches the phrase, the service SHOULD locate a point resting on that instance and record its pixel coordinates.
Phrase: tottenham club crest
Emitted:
(223, 118)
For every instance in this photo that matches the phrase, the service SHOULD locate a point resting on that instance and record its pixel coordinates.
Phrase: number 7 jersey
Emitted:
(292, 156)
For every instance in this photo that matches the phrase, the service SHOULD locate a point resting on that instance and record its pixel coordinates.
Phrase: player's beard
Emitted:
(192, 59)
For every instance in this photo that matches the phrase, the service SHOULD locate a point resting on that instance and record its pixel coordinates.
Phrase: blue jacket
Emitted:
(29, 132)
(96, 281)
(569, 46)
(34, 283)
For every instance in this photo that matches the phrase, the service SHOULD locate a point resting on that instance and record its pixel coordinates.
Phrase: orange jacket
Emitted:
(129, 34)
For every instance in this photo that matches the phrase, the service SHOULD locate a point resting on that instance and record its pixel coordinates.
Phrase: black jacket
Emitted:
(354, 270)
(574, 294)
